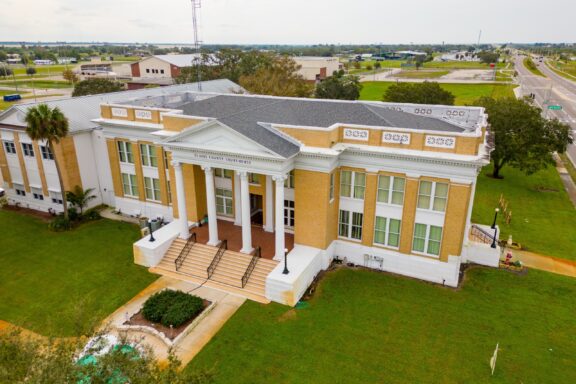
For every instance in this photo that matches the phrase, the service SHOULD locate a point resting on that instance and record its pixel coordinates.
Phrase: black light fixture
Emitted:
(495, 216)
(494, 238)
(151, 233)
(285, 271)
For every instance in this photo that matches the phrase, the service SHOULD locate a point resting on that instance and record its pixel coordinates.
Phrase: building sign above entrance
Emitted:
(225, 159)
(356, 134)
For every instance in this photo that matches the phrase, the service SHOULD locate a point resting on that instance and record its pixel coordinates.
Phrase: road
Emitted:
(551, 90)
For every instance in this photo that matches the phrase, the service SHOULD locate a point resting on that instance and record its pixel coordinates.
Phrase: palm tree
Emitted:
(80, 197)
(50, 124)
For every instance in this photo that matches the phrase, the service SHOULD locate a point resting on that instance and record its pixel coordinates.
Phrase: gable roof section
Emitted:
(179, 60)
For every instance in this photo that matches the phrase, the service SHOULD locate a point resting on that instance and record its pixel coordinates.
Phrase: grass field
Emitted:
(61, 284)
(460, 65)
(419, 74)
(465, 94)
(543, 217)
(368, 327)
(38, 84)
(566, 70)
(531, 66)
(42, 69)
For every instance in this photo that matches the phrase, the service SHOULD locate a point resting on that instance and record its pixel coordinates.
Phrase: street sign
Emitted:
(555, 107)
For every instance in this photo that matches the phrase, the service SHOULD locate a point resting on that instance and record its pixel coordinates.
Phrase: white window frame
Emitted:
(289, 182)
(427, 240)
(46, 152)
(56, 198)
(353, 186)
(147, 157)
(27, 149)
(19, 189)
(37, 193)
(169, 191)
(253, 178)
(332, 183)
(390, 190)
(432, 196)
(387, 232)
(289, 214)
(125, 155)
(223, 198)
(150, 191)
(350, 225)
(131, 185)
(223, 173)
(10, 147)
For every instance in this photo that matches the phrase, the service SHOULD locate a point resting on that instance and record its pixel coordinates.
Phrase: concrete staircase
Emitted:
(228, 273)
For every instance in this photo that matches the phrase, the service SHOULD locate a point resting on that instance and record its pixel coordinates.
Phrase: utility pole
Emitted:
(196, 4)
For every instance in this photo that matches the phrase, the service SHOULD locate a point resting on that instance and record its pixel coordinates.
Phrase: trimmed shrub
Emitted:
(172, 307)
(60, 224)
(92, 214)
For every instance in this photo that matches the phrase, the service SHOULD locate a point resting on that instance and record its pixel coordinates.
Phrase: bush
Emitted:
(60, 224)
(73, 214)
(92, 214)
(172, 307)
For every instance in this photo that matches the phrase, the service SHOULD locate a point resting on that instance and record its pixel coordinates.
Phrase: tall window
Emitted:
(46, 152)
(37, 193)
(427, 239)
(391, 190)
(289, 213)
(10, 147)
(331, 186)
(148, 155)
(387, 231)
(125, 152)
(28, 149)
(432, 195)
(289, 182)
(169, 191)
(224, 202)
(221, 172)
(350, 224)
(352, 184)
(152, 188)
(253, 178)
(129, 185)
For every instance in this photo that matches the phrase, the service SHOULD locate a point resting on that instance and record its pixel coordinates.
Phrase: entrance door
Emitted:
(256, 213)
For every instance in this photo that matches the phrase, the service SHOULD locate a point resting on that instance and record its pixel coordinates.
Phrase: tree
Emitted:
(488, 57)
(523, 138)
(377, 65)
(96, 86)
(418, 93)
(70, 76)
(280, 79)
(50, 124)
(4, 71)
(339, 86)
(419, 61)
(80, 197)
(30, 71)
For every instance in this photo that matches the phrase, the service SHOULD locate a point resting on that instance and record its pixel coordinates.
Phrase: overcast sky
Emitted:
(290, 22)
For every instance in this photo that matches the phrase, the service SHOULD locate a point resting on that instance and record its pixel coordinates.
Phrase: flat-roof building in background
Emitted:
(317, 68)
(162, 66)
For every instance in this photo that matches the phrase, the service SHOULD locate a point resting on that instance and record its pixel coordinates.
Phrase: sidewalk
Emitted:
(566, 179)
(547, 263)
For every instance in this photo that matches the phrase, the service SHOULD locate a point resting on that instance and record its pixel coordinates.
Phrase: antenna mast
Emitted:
(196, 4)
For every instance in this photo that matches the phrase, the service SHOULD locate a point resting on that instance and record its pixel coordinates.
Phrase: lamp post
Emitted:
(495, 216)
(285, 271)
(494, 238)
(151, 233)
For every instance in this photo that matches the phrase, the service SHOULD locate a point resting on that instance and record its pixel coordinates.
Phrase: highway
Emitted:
(550, 90)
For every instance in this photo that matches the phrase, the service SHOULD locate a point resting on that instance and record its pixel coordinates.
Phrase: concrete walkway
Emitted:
(191, 344)
(546, 263)
(566, 179)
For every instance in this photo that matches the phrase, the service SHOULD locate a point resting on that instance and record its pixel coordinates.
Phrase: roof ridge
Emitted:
(248, 109)
(367, 106)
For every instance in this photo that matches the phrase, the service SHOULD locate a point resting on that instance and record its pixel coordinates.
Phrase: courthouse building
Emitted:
(242, 180)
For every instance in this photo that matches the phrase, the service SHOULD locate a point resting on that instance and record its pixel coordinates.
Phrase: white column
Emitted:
(211, 207)
(269, 220)
(280, 246)
(181, 197)
(237, 202)
(246, 217)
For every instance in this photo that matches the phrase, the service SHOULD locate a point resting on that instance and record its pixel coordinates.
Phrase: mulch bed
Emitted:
(170, 333)
(45, 216)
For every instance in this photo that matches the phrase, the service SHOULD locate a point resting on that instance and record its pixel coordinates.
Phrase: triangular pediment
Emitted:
(218, 137)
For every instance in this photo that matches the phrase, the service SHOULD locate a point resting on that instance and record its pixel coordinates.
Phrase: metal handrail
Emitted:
(221, 249)
(251, 266)
(481, 234)
(185, 251)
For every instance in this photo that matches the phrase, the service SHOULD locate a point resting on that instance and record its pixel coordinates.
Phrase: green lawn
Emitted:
(61, 284)
(460, 65)
(38, 84)
(465, 94)
(531, 66)
(369, 327)
(6, 104)
(420, 74)
(543, 217)
(43, 69)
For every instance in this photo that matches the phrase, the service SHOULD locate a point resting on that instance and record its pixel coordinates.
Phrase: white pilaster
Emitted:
(237, 202)
(246, 217)
(279, 216)
(181, 196)
(269, 220)
(211, 207)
